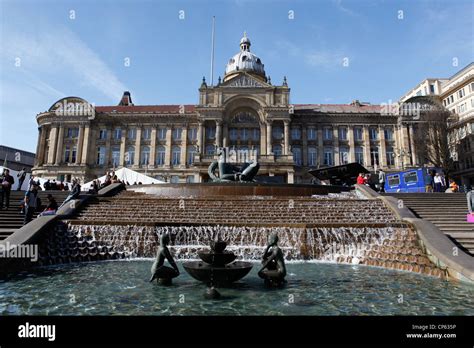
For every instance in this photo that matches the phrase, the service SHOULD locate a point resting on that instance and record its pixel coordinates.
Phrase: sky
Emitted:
(331, 51)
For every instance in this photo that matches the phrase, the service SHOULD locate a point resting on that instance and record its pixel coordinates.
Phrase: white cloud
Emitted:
(322, 58)
(61, 53)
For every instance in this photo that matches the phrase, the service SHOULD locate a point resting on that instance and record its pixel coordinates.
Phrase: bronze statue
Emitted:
(164, 274)
(232, 173)
(273, 269)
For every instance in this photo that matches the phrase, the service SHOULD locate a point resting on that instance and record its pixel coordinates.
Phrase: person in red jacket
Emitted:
(360, 179)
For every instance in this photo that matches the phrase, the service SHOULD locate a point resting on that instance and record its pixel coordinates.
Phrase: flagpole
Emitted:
(212, 50)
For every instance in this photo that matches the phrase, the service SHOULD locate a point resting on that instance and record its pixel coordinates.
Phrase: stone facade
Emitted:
(244, 112)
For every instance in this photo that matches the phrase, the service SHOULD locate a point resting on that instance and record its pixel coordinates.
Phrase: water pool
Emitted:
(122, 288)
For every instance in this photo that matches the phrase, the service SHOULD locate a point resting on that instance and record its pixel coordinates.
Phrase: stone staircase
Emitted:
(12, 219)
(445, 210)
(132, 207)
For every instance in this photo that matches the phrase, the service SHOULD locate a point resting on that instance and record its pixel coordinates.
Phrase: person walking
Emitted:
(382, 177)
(21, 177)
(438, 183)
(7, 182)
(31, 203)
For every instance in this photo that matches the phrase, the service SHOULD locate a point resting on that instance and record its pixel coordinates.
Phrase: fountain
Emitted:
(217, 267)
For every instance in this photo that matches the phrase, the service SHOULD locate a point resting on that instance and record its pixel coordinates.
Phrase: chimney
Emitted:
(126, 99)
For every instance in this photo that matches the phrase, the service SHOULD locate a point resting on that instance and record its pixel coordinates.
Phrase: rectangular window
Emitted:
(192, 134)
(358, 133)
(295, 133)
(388, 132)
(244, 134)
(393, 180)
(67, 153)
(190, 179)
(73, 154)
(359, 155)
(174, 179)
(344, 155)
(410, 177)
(100, 155)
(373, 134)
(132, 133)
(233, 134)
(432, 89)
(161, 133)
(328, 157)
(103, 134)
(256, 134)
(115, 156)
(327, 133)
(210, 133)
(177, 133)
(461, 93)
(117, 133)
(342, 133)
(311, 133)
(146, 133)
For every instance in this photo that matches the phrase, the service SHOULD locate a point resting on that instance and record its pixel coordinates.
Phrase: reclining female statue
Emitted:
(164, 274)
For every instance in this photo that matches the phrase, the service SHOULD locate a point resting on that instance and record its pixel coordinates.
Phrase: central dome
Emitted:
(245, 61)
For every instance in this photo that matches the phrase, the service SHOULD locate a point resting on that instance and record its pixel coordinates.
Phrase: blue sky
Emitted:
(85, 56)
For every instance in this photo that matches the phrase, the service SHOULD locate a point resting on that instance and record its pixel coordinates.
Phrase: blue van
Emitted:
(412, 180)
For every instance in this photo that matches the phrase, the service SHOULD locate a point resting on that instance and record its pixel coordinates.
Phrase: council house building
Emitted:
(244, 112)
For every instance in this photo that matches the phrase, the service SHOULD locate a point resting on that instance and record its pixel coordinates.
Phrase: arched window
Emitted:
(176, 155)
(115, 156)
(312, 156)
(160, 155)
(145, 156)
(129, 155)
(343, 155)
(191, 152)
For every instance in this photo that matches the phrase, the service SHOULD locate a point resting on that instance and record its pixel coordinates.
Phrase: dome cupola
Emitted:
(245, 61)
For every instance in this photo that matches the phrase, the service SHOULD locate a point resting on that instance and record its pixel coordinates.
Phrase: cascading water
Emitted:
(391, 247)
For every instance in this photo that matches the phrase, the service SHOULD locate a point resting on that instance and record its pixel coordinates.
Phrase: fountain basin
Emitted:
(217, 259)
(217, 275)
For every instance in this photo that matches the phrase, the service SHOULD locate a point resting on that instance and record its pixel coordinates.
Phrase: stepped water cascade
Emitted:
(391, 246)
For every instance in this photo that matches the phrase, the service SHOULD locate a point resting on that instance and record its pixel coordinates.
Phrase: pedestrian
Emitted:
(360, 179)
(30, 203)
(7, 182)
(75, 192)
(453, 186)
(21, 177)
(438, 183)
(51, 207)
(382, 180)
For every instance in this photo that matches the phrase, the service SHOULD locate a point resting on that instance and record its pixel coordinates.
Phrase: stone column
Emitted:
(412, 146)
(350, 136)
(320, 146)
(41, 146)
(405, 146)
(269, 137)
(85, 144)
(367, 159)
(383, 148)
(107, 146)
(199, 138)
(305, 145)
(218, 133)
(151, 162)
(168, 147)
(136, 159)
(59, 146)
(335, 142)
(397, 146)
(286, 147)
(263, 142)
(123, 147)
(80, 143)
(184, 140)
(225, 135)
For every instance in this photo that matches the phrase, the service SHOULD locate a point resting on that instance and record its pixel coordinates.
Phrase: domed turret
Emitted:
(245, 61)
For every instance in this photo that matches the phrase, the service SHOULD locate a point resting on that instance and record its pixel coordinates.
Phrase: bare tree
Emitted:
(431, 139)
